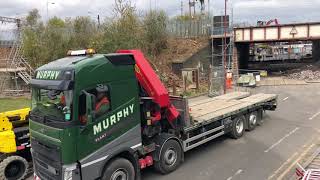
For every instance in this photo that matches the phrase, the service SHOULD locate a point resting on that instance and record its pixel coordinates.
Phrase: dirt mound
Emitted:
(180, 49)
(177, 50)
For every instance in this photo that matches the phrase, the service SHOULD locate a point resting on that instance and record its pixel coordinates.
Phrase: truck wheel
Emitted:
(238, 127)
(170, 157)
(13, 168)
(119, 169)
(261, 114)
(252, 120)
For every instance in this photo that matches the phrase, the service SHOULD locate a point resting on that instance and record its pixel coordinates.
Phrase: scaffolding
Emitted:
(222, 43)
(15, 71)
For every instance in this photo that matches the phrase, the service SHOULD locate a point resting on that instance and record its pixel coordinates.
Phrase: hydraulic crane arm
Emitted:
(149, 80)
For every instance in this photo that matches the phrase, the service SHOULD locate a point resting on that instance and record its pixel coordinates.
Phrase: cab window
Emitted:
(101, 104)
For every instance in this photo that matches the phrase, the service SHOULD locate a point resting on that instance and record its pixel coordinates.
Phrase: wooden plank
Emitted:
(223, 108)
(211, 107)
(223, 112)
(230, 96)
(259, 98)
(234, 96)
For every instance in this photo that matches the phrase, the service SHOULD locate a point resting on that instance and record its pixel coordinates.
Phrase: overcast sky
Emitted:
(286, 11)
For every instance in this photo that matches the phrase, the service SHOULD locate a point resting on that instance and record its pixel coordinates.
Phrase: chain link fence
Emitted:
(221, 82)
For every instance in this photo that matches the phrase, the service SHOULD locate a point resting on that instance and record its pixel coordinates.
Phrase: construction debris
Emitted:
(307, 75)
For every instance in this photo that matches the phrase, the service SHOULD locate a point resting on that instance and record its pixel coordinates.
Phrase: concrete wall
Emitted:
(201, 57)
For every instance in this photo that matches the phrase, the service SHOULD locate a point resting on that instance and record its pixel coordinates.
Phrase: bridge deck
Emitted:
(284, 32)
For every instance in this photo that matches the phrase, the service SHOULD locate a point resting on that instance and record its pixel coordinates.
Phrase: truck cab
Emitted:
(69, 138)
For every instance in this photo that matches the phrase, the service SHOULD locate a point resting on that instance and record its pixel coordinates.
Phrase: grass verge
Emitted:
(9, 104)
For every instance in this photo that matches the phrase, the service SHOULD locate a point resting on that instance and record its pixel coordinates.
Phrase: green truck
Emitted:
(139, 126)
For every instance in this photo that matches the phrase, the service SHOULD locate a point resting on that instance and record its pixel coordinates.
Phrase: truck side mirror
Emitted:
(90, 101)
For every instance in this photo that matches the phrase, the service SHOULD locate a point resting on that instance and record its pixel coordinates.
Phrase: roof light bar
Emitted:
(81, 52)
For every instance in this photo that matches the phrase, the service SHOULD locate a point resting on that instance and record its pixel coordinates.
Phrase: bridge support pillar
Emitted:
(241, 55)
(316, 50)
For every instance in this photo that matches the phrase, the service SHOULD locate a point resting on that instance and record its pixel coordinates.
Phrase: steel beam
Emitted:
(10, 20)
(277, 33)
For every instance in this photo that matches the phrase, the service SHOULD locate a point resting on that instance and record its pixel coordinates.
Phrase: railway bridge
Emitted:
(291, 33)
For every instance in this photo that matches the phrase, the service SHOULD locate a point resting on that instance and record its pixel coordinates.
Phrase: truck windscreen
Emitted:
(53, 105)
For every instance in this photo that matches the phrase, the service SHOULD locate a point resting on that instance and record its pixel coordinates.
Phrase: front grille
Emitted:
(47, 161)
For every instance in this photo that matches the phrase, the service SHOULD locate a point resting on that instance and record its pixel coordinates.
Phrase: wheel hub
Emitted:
(170, 157)
(239, 127)
(120, 174)
(253, 119)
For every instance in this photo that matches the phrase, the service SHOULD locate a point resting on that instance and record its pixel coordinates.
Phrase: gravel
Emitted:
(309, 75)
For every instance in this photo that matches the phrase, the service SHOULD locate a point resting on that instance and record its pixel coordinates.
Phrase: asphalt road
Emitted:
(263, 153)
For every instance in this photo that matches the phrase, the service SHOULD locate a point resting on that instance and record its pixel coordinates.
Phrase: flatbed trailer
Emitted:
(209, 118)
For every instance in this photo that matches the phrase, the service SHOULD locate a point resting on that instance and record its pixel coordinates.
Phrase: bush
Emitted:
(156, 35)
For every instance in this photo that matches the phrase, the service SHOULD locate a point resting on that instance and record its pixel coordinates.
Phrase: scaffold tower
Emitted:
(15, 71)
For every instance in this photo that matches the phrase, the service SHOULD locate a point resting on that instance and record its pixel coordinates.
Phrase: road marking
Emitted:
(280, 140)
(315, 115)
(285, 99)
(284, 164)
(295, 162)
(235, 174)
(307, 146)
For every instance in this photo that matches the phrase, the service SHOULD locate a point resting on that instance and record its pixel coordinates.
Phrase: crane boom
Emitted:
(149, 80)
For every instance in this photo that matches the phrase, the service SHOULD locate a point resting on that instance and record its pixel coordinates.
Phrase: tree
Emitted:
(124, 31)
(84, 31)
(32, 18)
(55, 39)
(155, 31)
(122, 7)
(31, 37)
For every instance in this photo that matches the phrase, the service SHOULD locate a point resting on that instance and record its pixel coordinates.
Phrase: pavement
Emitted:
(278, 81)
(269, 152)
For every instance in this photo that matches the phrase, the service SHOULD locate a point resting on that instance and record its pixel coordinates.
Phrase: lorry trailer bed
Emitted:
(209, 118)
(208, 109)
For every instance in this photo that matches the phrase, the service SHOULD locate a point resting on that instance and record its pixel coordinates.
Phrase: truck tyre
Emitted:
(170, 157)
(238, 127)
(13, 168)
(119, 169)
(261, 114)
(252, 120)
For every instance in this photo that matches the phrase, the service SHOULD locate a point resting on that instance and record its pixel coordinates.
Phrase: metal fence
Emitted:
(196, 27)
(189, 28)
(218, 83)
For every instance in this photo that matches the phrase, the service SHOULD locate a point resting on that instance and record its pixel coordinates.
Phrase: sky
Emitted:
(249, 11)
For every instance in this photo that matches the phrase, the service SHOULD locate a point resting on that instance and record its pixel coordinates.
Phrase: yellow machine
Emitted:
(14, 144)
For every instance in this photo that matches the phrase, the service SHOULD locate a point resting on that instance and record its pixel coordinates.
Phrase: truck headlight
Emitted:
(67, 175)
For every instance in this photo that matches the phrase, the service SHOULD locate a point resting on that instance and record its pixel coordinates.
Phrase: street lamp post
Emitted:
(98, 17)
(48, 9)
